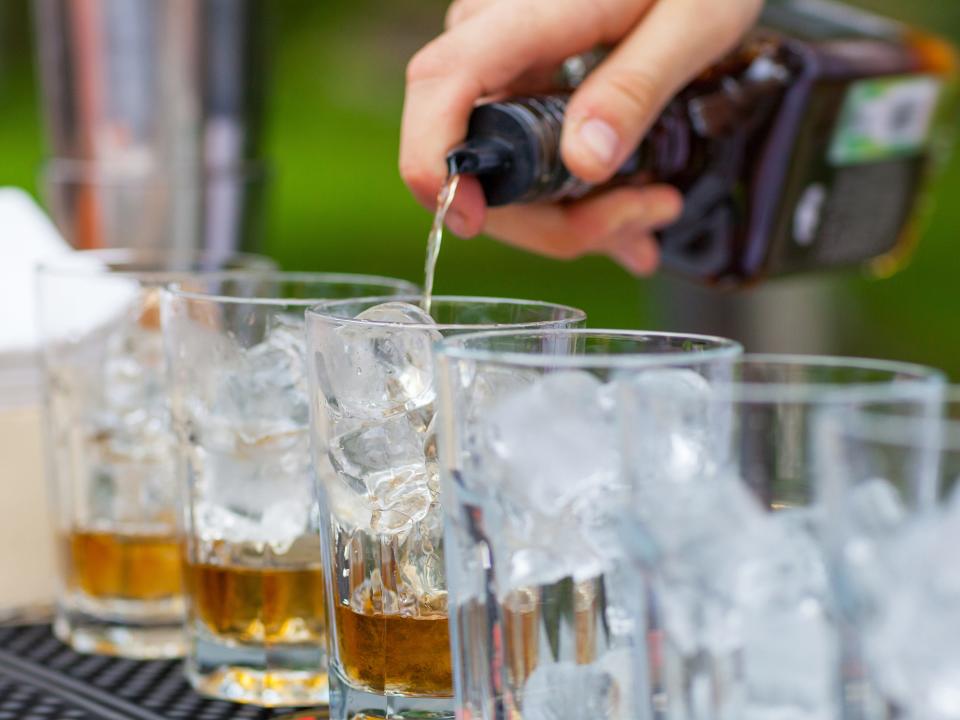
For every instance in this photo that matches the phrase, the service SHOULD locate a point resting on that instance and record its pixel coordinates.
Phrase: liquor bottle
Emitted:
(809, 147)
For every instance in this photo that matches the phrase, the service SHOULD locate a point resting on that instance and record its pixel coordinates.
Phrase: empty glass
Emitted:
(110, 448)
(372, 382)
(729, 534)
(255, 592)
(533, 491)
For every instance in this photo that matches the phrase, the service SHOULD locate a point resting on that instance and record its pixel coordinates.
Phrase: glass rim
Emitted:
(917, 377)
(454, 348)
(319, 312)
(70, 264)
(98, 172)
(876, 425)
(176, 292)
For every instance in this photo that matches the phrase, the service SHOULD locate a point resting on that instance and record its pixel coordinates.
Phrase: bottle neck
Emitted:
(513, 148)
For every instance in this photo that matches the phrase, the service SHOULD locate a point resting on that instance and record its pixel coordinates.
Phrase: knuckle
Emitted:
(458, 10)
(636, 89)
(432, 61)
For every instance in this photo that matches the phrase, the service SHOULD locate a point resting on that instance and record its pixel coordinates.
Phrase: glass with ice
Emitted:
(541, 595)
(738, 601)
(110, 447)
(374, 405)
(894, 505)
(256, 622)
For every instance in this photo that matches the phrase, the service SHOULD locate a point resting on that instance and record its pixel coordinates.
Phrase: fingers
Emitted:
(468, 212)
(484, 54)
(615, 106)
(618, 224)
(462, 10)
(639, 255)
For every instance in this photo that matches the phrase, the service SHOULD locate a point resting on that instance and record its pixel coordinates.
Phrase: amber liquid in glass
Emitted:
(395, 653)
(257, 622)
(259, 605)
(124, 566)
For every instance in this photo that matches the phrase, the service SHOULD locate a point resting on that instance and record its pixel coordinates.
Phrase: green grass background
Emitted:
(337, 202)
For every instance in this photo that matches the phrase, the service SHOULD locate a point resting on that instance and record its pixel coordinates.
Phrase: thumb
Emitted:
(609, 114)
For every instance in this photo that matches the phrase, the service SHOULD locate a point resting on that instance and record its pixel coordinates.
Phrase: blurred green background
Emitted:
(337, 202)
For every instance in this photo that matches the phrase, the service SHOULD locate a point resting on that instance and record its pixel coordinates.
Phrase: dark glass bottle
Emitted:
(807, 148)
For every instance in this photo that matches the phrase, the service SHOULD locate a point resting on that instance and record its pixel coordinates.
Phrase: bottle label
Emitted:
(884, 118)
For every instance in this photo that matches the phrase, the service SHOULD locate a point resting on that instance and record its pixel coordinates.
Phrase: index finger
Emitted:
(483, 55)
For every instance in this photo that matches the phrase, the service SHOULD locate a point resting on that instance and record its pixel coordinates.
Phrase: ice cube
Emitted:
(874, 516)
(875, 508)
(787, 566)
(378, 370)
(491, 384)
(694, 520)
(265, 392)
(675, 430)
(431, 457)
(549, 458)
(568, 691)
(249, 477)
(911, 641)
(400, 499)
(790, 641)
(553, 445)
(720, 560)
(385, 462)
(131, 416)
(390, 446)
(277, 525)
(790, 663)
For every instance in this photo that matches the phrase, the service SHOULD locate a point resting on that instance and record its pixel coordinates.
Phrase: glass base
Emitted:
(135, 639)
(276, 676)
(350, 703)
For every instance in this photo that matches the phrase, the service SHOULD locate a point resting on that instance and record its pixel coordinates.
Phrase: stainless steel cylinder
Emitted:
(155, 106)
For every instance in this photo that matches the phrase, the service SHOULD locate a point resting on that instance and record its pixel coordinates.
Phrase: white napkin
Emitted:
(28, 238)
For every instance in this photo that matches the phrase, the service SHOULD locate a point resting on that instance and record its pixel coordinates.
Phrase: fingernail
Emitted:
(457, 223)
(601, 139)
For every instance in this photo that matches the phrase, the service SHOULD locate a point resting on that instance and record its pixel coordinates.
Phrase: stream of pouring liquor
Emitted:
(444, 201)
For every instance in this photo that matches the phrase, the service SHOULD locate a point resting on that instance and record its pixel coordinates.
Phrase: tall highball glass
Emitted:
(894, 509)
(373, 386)
(110, 448)
(731, 535)
(256, 622)
(533, 491)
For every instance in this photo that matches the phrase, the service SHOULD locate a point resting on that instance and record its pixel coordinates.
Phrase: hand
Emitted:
(493, 48)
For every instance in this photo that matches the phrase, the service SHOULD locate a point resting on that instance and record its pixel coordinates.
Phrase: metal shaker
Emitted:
(154, 115)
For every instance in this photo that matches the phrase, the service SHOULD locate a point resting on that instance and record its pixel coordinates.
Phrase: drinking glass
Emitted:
(373, 391)
(109, 447)
(894, 511)
(533, 490)
(730, 538)
(255, 597)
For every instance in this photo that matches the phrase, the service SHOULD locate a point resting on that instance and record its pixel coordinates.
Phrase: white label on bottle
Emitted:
(885, 118)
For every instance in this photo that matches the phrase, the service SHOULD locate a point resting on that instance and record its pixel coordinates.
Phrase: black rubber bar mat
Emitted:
(43, 679)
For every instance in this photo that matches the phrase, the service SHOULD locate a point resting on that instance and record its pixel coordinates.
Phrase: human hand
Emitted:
(495, 48)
